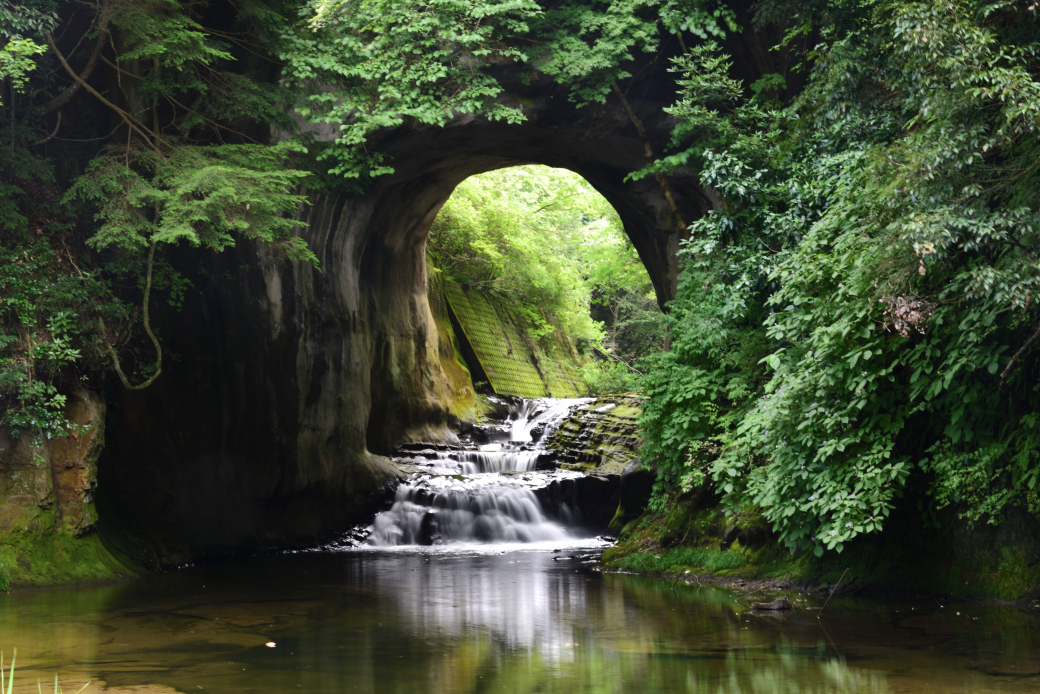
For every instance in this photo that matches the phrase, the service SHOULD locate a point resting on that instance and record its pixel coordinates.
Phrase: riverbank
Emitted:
(695, 540)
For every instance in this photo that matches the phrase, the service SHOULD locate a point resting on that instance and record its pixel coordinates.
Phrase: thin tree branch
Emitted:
(132, 122)
(619, 360)
(213, 123)
(147, 328)
(61, 99)
(51, 136)
(1021, 350)
(833, 591)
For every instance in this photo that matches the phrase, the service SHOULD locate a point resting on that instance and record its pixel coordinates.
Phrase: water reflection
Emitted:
(515, 622)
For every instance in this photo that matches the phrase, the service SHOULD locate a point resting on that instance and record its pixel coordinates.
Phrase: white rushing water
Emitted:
(462, 497)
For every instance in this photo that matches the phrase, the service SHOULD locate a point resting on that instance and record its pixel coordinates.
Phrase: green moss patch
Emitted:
(710, 559)
(515, 363)
(38, 555)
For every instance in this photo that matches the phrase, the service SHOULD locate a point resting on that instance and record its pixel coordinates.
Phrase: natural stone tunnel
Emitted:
(286, 383)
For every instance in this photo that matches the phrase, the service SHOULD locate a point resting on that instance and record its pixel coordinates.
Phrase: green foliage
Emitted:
(171, 178)
(206, 196)
(591, 43)
(47, 326)
(369, 65)
(607, 376)
(5, 578)
(364, 66)
(16, 61)
(163, 32)
(494, 232)
(494, 235)
(589, 46)
(848, 320)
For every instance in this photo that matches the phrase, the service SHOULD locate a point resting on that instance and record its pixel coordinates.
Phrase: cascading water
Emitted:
(486, 495)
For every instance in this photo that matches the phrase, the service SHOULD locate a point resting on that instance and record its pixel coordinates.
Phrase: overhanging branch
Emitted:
(131, 122)
(63, 98)
(147, 328)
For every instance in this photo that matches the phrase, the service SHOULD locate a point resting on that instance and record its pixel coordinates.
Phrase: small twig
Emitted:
(833, 590)
(759, 589)
(1021, 350)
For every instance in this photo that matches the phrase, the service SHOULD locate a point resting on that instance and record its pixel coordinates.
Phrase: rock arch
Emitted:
(286, 382)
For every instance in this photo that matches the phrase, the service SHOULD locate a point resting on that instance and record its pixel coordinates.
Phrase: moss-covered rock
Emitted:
(601, 436)
(514, 363)
(47, 515)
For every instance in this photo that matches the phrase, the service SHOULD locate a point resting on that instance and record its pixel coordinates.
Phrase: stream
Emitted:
(467, 582)
(471, 621)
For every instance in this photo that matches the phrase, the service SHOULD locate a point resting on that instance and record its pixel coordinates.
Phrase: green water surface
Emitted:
(493, 622)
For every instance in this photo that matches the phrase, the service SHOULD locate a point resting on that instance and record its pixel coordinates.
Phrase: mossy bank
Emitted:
(695, 537)
(48, 521)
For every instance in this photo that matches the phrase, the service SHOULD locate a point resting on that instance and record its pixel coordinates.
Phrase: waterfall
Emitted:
(482, 494)
(486, 461)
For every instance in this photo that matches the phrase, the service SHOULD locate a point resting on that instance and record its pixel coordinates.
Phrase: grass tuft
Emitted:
(708, 559)
(39, 686)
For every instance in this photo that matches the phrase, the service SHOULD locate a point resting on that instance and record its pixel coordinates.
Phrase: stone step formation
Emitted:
(503, 485)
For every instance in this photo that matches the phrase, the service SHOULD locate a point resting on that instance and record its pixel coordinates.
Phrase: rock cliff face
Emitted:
(601, 437)
(47, 514)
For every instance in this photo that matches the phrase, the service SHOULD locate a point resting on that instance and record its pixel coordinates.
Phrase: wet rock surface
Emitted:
(600, 436)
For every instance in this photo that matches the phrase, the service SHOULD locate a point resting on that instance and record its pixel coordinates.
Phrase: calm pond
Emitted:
(492, 621)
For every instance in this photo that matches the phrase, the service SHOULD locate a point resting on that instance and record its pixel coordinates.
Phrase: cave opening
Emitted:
(543, 292)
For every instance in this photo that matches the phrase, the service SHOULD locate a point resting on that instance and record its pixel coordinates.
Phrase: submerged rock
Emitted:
(775, 605)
